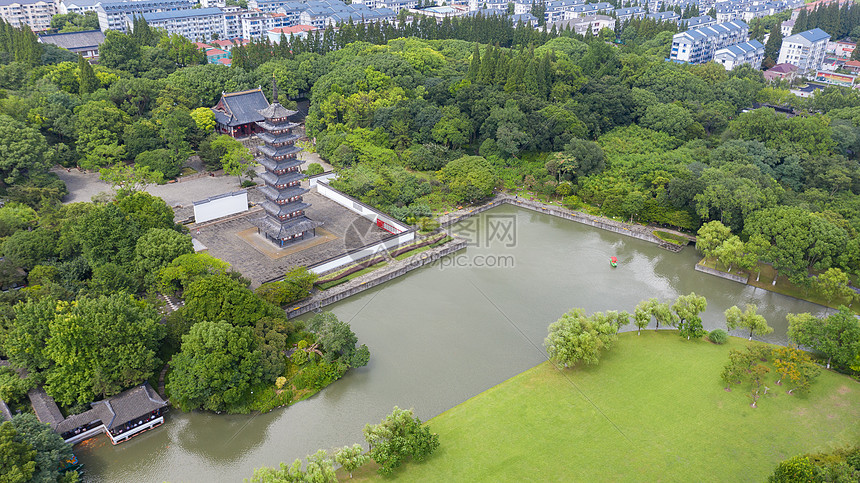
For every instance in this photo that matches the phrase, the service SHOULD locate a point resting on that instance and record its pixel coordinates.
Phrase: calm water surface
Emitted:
(437, 337)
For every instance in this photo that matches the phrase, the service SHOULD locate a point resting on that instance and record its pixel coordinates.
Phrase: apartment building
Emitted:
(114, 15)
(35, 13)
(200, 24)
(697, 46)
(751, 53)
(806, 50)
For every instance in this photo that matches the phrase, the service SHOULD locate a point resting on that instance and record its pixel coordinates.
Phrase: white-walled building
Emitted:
(294, 31)
(751, 53)
(591, 25)
(113, 15)
(200, 24)
(698, 46)
(78, 6)
(35, 13)
(806, 50)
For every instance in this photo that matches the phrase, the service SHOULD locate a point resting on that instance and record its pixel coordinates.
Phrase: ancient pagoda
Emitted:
(285, 221)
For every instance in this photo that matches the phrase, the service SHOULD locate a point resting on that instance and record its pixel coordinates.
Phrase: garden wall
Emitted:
(220, 206)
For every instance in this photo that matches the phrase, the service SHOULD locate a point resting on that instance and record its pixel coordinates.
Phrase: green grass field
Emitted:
(654, 409)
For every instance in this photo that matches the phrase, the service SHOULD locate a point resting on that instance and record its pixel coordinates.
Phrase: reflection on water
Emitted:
(437, 337)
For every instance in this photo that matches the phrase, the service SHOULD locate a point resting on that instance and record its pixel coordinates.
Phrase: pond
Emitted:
(438, 336)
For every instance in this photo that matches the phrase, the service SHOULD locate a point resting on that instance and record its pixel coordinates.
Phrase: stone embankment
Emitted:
(640, 232)
(394, 269)
(722, 274)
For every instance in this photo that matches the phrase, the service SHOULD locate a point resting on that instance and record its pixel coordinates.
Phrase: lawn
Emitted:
(671, 420)
(671, 237)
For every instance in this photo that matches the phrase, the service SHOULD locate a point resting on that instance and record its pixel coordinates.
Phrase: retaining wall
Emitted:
(360, 284)
(721, 274)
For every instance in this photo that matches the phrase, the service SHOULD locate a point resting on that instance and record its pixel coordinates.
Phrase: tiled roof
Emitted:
(814, 35)
(288, 228)
(242, 107)
(74, 40)
(117, 410)
(44, 406)
(783, 68)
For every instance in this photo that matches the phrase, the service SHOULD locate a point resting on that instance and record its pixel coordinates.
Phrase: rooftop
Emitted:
(74, 40)
(241, 107)
(194, 12)
(814, 35)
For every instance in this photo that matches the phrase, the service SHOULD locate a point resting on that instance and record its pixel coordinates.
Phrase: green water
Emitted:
(437, 337)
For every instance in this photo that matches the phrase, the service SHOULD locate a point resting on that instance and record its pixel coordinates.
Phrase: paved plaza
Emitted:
(236, 241)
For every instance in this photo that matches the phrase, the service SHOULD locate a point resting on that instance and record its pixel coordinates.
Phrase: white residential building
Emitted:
(591, 25)
(200, 24)
(112, 16)
(806, 50)
(78, 6)
(624, 14)
(751, 53)
(697, 46)
(35, 13)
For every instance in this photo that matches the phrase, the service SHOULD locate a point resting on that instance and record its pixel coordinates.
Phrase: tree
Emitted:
(731, 252)
(181, 50)
(284, 474)
(51, 450)
(185, 269)
(220, 297)
(24, 151)
(237, 159)
(17, 458)
(25, 342)
(203, 118)
(711, 236)
(296, 285)
(794, 364)
(836, 336)
(748, 319)
(576, 338)
(662, 314)
(688, 307)
(125, 179)
(397, 438)
(216, 367)
(774, 42)
(582, 158)
(115, 339)
(797, 469)
(161, 163)
(351, 458)
(642, 314)
(88, 82)
(157, 248)
(833, 284)
(320, 468)
(338, 340)
(469, 179)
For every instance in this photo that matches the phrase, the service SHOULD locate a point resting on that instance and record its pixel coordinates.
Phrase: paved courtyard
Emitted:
(235, 240)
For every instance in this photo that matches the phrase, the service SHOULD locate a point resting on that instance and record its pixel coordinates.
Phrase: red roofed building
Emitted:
(852, 66)
(779, 72)
(202, 46)
(223, 44)
(226, 62)
(298, 31)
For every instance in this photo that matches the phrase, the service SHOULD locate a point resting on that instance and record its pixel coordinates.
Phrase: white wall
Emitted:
(350, 204)
(221, 205)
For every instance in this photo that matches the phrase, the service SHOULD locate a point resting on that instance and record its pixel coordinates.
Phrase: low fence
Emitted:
(721, 274)
(367, 251)
(376, 277)
(313, 180)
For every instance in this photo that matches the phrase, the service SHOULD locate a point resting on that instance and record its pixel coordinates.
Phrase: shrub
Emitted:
(248, 183)
(718, 336)
(314, 169)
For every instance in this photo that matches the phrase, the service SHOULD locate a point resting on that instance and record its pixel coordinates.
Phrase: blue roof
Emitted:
(195, 12)
(814, 35)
